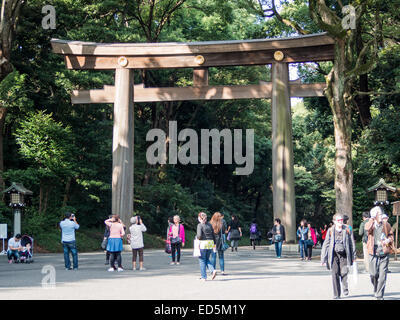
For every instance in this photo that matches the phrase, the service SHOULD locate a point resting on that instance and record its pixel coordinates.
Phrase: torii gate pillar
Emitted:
(282, 151)
(123, 134)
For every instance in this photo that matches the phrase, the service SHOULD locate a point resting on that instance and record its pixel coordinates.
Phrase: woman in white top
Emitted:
(137, 228)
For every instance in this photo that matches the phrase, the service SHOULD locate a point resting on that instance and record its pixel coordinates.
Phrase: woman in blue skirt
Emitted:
(114, 245)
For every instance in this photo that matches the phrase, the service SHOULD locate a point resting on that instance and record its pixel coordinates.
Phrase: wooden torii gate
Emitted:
(125, 57)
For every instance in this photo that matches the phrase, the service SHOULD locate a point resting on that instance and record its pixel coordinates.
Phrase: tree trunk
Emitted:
(66, 192)
(339, 96)
(3, 113)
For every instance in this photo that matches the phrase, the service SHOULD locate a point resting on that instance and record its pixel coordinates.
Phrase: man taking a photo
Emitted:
(68, 227)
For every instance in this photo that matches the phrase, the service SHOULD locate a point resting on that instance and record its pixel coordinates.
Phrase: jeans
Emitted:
(234, 244)
(204, 261)
(278, 248)
(303, 246)
(13, 254)
(221, 259)
(70, 247)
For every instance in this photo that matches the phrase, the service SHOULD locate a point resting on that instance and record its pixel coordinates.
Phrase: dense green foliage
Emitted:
(62, 152)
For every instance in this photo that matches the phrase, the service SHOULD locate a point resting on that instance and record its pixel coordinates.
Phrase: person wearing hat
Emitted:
(379, 244)
(136, 229)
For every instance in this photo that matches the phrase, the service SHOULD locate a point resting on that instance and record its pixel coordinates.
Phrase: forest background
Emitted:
(62, 152)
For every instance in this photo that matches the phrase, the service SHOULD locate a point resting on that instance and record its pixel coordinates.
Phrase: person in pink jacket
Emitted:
(312, 240)
(176, 235)
(114, 244)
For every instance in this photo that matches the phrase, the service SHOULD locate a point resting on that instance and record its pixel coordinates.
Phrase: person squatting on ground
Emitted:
(379, 245)
(14, 248)
(205, 233)
(177, 237)
(364, 239)
(136, 238)
(338, 253)
(219, 232)
(278, 236)
(235, 232)
(114, 244)
(68, 227)
(302, 235)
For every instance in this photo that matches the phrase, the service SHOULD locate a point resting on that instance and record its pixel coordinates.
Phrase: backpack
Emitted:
(253, 228)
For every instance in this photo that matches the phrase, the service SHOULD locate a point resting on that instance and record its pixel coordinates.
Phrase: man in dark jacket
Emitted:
(339, 253)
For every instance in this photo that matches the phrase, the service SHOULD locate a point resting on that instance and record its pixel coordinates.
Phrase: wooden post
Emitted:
(122, 173)
(200, 77)
(282, 151)
(397, 232)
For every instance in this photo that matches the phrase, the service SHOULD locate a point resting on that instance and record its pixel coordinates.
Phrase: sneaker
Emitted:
(336, 298)
(67, 269)
(143, 269)
(172, 263)
(346, 293)
(10, 261)
(214, 274)
(178, 263)
(223, 273)
(120, 269)
(111, 270)
(75, 269)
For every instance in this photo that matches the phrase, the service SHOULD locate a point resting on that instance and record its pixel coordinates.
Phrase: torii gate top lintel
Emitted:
(91, 55)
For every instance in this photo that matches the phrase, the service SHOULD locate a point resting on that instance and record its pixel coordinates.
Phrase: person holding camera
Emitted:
(68, 227)
(114, 244)
(137, 228)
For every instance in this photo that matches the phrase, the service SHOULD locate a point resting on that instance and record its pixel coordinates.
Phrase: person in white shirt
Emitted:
(14, 247)
(136, 237)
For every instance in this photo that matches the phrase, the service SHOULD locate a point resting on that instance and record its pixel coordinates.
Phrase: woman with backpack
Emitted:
(235, 232)
(176, 235)
(278, 236)
(219, 233)
(253, 233)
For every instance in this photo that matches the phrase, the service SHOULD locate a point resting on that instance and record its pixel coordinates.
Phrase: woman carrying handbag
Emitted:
(221, 245)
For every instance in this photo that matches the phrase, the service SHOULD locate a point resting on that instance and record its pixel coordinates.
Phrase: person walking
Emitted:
(177, 237)
(302, 235)
(114, 244)
(68, 227)
(235, 232)
(219, 234)
(253, 233)
(338, 253)
(323, 234)
(311, 241)
(136, 230)
(364, 238)
(278, 236)
(205, 233)
(379, 245)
